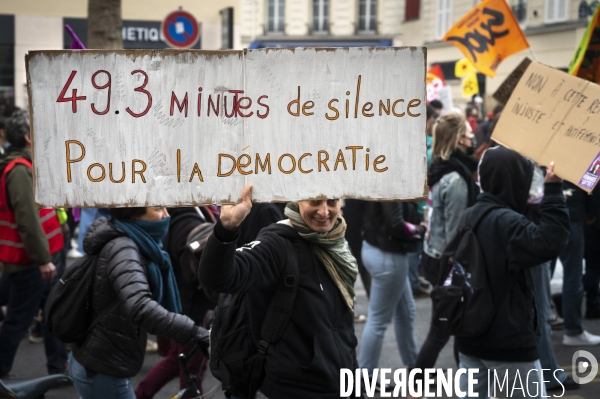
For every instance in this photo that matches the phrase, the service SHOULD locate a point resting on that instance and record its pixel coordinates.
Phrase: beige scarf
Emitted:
(331, 249)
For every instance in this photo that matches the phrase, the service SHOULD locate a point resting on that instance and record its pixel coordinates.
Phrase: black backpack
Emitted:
(68, 308)
(196, 239)
(462, 301)
(235, 360)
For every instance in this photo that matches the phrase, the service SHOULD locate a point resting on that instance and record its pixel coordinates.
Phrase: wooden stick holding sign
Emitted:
(553, 116)
(142, 128)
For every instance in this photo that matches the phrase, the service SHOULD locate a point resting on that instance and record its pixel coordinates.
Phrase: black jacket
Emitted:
(592, 226)
(194, 303)
(576, 202)
(384, 226)
(319, 339)
(117, 344)
(261, 215)
(511, 245)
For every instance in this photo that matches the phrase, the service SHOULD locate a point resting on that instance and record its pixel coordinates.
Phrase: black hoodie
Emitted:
(319, 339)
(511, 244)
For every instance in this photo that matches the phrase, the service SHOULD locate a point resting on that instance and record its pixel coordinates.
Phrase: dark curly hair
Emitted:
(18, 127)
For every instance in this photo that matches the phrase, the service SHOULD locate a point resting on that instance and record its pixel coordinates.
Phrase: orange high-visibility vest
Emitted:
(12, 249)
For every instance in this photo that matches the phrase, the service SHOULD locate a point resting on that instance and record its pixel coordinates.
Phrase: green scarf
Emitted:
(331, 249)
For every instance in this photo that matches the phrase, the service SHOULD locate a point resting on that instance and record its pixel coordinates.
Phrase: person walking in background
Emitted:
(391, 231)
(438, 107)
(511, 245)
(555, 377)
(473, 118)
(354, 214)
(134, 280)
(572, 260)
(194, 303)
(591, 278)
(31, 246)
(419, 285)
(483, 133)
(452, 190)
(4, 144)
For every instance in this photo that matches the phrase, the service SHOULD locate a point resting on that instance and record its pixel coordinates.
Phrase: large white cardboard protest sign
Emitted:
(141, 128)
(553, 116)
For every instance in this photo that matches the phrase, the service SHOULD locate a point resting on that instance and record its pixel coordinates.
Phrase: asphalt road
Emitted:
(30, 361)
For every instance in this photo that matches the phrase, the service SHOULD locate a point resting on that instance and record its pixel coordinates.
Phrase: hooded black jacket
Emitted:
(511, 245)
(117, 344)
(319, 339)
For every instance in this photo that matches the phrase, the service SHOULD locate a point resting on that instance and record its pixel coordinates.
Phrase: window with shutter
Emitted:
(412, 9)
(275, 16)
(367, 16)
(519, 9)
(281, 16)
(270, 15)
(556, 10)
(444, 17)
(561, 11)
(320, 16)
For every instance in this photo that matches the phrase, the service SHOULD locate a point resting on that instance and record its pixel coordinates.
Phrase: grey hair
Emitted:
(18, 127)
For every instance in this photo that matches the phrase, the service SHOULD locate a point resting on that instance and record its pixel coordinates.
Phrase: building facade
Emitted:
(351, 23)
(552, 27)
(27, 25)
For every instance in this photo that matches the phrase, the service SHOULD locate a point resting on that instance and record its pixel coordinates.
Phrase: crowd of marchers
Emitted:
(272, 285)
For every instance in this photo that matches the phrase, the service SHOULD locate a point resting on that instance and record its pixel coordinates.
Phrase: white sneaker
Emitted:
(583, 339)
(74, 254)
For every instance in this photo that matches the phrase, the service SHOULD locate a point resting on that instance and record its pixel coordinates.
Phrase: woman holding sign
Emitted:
(305, 256)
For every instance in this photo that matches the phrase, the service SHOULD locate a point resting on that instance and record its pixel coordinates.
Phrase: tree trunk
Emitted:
(104, 24)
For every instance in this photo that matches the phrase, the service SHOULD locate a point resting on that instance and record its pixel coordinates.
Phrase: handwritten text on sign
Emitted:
(138, 128)
(553, 116)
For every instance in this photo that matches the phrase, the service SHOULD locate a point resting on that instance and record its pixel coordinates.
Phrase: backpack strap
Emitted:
(482, 213)
(278, 314)
(464, 225)
(474, 225)
(110, 306)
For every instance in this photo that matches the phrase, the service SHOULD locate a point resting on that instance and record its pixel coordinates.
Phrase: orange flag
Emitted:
(488, 34)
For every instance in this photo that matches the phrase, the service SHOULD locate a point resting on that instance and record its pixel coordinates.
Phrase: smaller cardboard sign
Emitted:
(553, 116)
(503, 93)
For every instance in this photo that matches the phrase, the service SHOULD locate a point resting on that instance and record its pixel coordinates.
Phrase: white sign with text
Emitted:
(175, 128)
